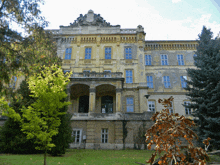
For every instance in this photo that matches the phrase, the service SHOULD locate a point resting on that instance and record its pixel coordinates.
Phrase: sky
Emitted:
(161, 19)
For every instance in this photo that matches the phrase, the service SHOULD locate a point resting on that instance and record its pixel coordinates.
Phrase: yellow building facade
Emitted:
(114, 70)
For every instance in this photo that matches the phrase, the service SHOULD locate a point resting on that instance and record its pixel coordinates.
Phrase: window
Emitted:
(180, 59)
(129, 77)
(107, 73)
(108, 53)
(150, 82)
(164, 60)
(194, 56)
(68, 53)
(76, 135)
(128, 54)
(65, 71)
(88, 53)
(187, 110)
(147, 59)
(104, 135)
(13, 82)
(86, 73)
(183, 81)
(151, 105)
(166, 81)
(130, 104)
(171, 108)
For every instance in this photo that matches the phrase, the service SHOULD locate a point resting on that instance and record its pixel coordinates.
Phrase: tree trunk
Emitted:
(45, 155)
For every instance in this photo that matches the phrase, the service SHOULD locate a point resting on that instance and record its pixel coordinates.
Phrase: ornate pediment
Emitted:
(90, 19)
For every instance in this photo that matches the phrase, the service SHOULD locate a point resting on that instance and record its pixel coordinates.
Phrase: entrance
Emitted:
(84, 104)
(107, 104)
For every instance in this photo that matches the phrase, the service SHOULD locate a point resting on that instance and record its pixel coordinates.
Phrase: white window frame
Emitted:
(183, 82)
(80, 136)
(68, 53)
(104, 135)
(85, 73)
(164, 59)
(107, 75)
(171, 111)
(180, 59)
(129, 105)
(150, 84)
(166, 81)
(129, 76)
(128, 53)
(88, 55)
(151, 106)
(148, 59)
(108, 53)
(188, 111)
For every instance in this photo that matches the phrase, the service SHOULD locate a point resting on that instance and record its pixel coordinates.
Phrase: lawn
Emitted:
(81, 157)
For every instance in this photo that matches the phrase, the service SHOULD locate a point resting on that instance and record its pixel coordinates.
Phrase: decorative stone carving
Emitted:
(90, 19)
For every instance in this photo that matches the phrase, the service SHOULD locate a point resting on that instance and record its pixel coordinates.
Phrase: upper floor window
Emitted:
(107, 73)
(65, 71)
(194, 56)
(151, 106)
(88, 53)
(183, 81)
(147, 59)
(166, 81)
(129, 76)
(180, 59)
(150, 81)
(104, 135)
(187, 110)
(68, 53)
(128, 53)
(130, 104)
(108, 52)
(86, 73)
(164, 60)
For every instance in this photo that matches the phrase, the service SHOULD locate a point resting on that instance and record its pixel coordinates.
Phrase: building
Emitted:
(113, 69)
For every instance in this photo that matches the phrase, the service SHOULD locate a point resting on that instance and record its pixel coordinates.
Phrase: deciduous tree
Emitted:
(41, 119)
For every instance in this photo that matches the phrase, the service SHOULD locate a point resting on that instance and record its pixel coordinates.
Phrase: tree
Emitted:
(41, 120)
(204, 87)
(26, 14)
(168, 134)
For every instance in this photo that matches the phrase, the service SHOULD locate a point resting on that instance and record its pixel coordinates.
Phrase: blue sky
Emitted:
(161, 19)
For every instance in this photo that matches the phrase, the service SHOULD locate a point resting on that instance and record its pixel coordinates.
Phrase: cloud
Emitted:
(176, 1)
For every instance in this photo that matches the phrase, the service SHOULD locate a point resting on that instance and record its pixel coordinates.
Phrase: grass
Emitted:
(81, 157)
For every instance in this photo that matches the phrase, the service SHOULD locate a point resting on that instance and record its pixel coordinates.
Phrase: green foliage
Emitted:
(26, 14)
(40, 120)
(204, 88)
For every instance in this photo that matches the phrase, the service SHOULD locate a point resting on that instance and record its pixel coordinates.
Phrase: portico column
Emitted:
(118, 100)
(92, 96)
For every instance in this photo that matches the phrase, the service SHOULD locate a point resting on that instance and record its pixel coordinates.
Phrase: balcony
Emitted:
(105, 75)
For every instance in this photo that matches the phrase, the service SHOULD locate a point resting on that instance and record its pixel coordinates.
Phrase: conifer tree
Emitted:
(204, 87)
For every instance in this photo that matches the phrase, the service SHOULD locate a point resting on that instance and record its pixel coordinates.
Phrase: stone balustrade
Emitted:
(97, 75)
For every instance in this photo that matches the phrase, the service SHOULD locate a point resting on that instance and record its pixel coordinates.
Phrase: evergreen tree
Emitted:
(204, 88)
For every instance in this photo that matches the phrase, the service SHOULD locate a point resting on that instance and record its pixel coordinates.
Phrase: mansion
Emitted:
(117, 79)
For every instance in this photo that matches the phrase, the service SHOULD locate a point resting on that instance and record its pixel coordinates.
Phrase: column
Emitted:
(118, 100)
(92, 96)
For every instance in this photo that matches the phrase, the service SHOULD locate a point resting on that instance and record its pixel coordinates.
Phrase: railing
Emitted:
(97, 75)
(53, 31)
(128, 30)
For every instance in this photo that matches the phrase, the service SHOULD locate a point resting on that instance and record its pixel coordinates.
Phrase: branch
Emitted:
(3, 2)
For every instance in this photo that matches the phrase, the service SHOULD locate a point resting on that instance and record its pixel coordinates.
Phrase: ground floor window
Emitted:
(77, 133)
(151, 105)
(187, 110)
(104, 135)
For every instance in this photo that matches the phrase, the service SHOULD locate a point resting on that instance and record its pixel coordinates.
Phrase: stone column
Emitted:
(68, 89)
(118, 100)
(143, 90)
(92, 97)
